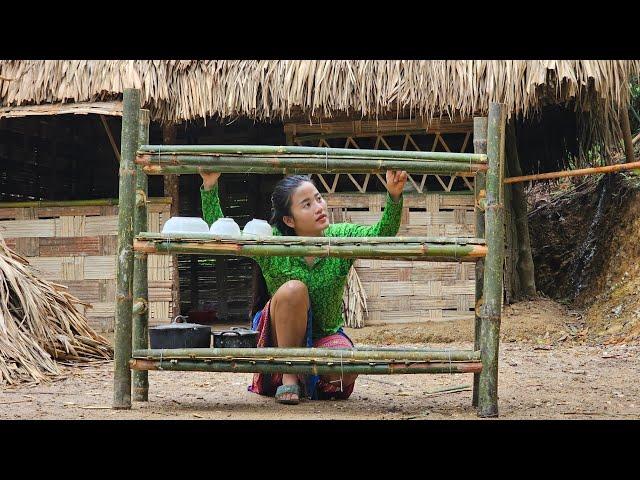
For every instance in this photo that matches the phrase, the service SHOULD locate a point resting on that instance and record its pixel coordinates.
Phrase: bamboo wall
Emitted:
(414, 291)
(76, 246)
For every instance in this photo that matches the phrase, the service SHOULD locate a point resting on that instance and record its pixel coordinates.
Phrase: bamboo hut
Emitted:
(60, 127)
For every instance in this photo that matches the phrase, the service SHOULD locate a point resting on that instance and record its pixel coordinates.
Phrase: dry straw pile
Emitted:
(39, 324)
(354, 301)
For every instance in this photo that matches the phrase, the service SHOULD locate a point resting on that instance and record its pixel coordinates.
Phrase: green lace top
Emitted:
(326, 278)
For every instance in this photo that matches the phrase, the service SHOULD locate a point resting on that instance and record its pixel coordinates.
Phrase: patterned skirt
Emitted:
(315, 387)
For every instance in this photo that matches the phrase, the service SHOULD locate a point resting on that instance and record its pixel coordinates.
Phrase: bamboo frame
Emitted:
(314, 361)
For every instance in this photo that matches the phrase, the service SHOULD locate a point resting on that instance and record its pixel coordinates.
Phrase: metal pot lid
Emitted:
(180, 326)
(236, 331)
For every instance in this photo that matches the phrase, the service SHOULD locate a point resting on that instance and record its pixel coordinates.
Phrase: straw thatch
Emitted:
(178, 90)
(39, 324)
(184, 89)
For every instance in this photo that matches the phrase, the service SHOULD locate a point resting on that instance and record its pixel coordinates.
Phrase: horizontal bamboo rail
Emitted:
(575, 173)
(304, 368)
(184, 164)
(295, 240)
(413, 251)
(310, 354)
(297, 150)
(98, 202)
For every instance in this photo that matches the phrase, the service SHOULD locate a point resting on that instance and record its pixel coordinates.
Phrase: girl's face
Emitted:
(308, 211)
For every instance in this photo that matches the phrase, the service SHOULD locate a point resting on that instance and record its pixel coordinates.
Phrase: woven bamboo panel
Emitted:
(412, 291)
(76, 246)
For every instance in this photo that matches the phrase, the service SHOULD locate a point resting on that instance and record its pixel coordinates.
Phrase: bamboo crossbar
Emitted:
(257, 366)
(283, 150)
(309, 354)
(575, 173)
(295, 240)
(183, 164)
(413, 251)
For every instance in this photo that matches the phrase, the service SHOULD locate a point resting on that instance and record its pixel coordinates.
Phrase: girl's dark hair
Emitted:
(280, 207)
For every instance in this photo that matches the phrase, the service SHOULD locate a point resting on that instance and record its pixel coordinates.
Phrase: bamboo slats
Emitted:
(74, 243)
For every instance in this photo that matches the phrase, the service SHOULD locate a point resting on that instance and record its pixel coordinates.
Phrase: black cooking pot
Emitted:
(237, 337)
(179, 334)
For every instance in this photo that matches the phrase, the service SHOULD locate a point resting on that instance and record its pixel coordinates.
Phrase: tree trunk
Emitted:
(171, 183)
(524, 263)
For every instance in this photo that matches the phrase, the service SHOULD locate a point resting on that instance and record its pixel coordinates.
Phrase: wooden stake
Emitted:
(124, 298)
(493, 275)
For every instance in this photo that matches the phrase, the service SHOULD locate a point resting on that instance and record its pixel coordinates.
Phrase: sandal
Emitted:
(288, 389)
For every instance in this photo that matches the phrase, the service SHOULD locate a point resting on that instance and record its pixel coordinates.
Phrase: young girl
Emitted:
(305, 306)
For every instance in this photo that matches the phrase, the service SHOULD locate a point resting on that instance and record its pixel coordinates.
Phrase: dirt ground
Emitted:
(550, 368)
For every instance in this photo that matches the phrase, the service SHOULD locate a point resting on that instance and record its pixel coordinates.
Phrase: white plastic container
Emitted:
(258, 228)
(225, 226)
(185, 225)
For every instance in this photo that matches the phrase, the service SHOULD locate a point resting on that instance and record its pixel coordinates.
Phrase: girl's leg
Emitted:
(288, 316)
(336, 340)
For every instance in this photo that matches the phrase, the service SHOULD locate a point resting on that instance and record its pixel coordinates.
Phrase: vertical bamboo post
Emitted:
(493, 273)
(124, 300)
(479, 146)
(140, 277)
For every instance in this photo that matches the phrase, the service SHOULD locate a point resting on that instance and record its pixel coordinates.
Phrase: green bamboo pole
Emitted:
(304, 367)
(418, 251)
(194, 170)
(140, 280)
(297, 150)
(275, 353)
(124, 299)
(295, 240)
(479, 146)
(303, 164)
(493, 274)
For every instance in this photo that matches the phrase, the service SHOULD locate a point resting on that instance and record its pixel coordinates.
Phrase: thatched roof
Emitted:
(177, 90)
